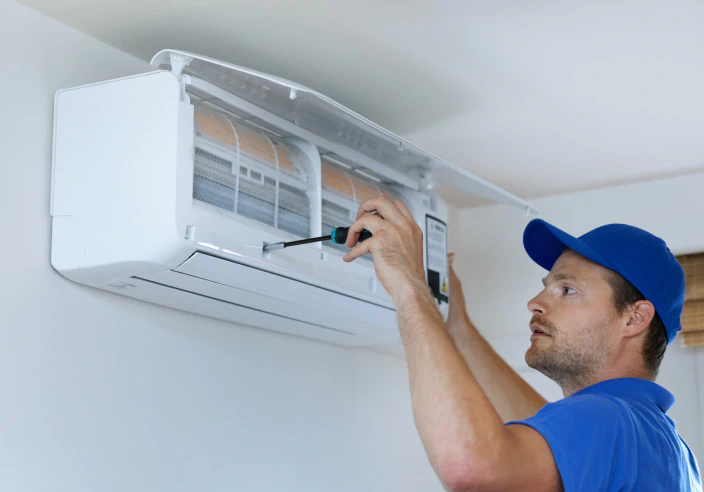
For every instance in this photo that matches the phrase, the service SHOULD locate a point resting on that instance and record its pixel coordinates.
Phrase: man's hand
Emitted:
(396, 244)
(458, 309)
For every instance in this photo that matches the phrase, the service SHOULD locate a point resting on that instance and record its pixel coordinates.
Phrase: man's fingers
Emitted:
(366, 206)
(372, 216)
(368, 221)
(384, 207)
(404, 210)
(359, 250)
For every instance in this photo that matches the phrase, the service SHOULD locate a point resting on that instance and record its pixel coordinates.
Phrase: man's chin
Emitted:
(540, 365)
(535, 357)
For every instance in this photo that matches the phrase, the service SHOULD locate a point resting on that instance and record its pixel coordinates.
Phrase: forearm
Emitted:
(511, 396)
(458, 425)
(466, 441)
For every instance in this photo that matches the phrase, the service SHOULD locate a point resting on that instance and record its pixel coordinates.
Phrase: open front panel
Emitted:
(337, 129)
(308, 110)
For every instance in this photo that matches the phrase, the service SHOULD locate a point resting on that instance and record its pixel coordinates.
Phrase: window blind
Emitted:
(692, 334)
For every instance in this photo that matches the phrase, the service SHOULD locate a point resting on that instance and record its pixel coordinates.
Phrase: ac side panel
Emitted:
(119, 151)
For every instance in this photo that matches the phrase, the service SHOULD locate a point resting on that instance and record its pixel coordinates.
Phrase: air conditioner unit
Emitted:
(166, 185)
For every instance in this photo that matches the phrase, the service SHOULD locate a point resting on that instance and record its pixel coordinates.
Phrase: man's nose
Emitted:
(537, 305)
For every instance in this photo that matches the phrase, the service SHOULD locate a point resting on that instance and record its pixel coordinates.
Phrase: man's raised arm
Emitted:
(511, 396)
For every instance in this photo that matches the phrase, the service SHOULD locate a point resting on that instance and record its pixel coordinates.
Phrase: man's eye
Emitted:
(568, 291)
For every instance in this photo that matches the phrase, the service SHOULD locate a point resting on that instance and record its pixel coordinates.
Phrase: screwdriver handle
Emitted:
(339, 235)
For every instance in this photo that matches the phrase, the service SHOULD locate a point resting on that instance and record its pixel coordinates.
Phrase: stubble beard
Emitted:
(572, 363)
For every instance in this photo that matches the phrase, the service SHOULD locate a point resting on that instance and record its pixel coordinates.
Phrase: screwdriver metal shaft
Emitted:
(275, 246)
(337, 236)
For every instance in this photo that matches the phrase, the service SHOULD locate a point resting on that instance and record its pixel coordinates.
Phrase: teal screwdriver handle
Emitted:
(339, 235)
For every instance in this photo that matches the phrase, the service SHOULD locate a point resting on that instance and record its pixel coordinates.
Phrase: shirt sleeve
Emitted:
(590, 437)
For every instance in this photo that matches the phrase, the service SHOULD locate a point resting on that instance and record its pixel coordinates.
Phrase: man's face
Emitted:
(573, 322)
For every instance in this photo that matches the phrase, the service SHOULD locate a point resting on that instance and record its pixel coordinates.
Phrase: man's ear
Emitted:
(638, 318)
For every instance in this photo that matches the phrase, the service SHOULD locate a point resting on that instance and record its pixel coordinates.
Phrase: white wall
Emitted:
(499, 278)
(102, 393)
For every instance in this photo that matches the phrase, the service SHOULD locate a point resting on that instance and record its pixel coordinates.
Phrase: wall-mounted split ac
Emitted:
(166, 185)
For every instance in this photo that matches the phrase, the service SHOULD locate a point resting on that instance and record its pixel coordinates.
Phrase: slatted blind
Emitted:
(693, 315)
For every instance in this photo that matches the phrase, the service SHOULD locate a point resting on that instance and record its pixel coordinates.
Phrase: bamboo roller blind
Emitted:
(692, 333)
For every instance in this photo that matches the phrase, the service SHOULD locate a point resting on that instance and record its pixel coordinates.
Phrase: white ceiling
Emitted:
(537, 96)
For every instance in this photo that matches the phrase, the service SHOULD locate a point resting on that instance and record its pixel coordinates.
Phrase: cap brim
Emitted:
(544, 243)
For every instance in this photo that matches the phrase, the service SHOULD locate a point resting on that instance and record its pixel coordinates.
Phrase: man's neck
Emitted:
(569, 388)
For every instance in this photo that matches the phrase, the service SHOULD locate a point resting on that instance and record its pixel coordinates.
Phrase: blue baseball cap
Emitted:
(638, 256)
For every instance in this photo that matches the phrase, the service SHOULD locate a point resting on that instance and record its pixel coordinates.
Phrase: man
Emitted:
(594, 333)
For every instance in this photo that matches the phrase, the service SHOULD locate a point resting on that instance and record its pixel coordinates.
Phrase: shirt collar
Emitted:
(625, 387)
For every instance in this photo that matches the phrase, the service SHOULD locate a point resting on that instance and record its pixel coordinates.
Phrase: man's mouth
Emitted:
(538, 331)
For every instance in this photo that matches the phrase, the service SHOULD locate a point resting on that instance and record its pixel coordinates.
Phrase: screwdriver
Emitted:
(337, 236)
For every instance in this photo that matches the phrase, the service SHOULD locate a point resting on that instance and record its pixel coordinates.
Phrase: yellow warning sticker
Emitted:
(444, 285)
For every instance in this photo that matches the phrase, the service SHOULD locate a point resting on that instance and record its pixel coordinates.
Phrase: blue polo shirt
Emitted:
(615, 435)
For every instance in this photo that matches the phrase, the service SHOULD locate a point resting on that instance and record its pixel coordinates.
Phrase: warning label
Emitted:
(436, 249)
